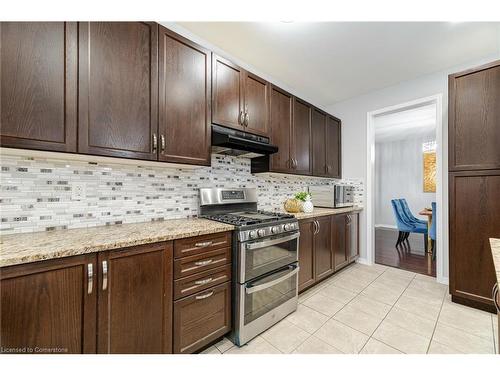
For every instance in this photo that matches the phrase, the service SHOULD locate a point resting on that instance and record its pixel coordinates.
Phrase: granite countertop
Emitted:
(495, 251)
(319, 211)
(32, 247)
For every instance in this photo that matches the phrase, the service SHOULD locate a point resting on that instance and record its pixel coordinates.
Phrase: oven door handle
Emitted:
(257, 288)
(258, 245)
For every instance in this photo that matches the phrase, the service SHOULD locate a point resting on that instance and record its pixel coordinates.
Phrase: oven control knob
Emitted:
(289, 227)
(261, 232)
(252, 234)
(275, 229)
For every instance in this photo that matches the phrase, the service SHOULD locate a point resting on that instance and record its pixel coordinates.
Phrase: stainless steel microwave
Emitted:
(332, 197)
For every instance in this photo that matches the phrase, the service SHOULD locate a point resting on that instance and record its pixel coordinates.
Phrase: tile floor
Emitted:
(375, 310)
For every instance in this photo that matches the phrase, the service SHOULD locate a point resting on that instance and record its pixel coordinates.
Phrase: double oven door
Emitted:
(267, 285)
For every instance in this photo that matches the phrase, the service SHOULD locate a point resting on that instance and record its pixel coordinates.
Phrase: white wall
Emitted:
(353, 113)
(399, 174)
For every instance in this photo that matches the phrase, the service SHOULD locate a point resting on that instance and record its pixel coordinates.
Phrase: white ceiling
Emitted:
(327, 62)
(406, 124)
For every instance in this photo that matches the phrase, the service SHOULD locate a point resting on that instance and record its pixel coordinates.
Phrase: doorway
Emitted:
(404, 170)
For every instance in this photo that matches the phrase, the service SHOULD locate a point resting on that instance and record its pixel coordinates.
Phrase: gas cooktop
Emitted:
(248, 218)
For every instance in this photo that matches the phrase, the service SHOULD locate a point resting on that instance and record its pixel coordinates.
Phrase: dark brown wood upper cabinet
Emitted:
(323, 254)
(50, 305)
(306, 254)
(281, 104)
(333, 147)
(135, 299)
(256, 106)
(474, 117)
(301, 138)
(118, 89)
(318, 135)
(227, 93)
(38, 71)
(184, 97)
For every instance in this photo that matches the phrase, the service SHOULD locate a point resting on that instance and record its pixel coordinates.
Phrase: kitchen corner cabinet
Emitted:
(326, 145)
(38, 108)
(184, 96)
(280, 107)
(333, 147)
(240, 99)
(50, 305)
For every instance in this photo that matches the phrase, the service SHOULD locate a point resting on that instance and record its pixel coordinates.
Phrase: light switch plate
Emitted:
(78, 191)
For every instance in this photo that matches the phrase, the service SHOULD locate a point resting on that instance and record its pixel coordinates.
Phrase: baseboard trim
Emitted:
(443, 280)
(364, 261)
(385, 226)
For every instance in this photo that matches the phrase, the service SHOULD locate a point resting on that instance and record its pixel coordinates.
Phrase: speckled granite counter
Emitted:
(318, 211)
(32, 247)
(495, 251)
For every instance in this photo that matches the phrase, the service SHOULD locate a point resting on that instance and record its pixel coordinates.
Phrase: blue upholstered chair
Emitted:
(406, 227)
(432, 231)
(409, 214)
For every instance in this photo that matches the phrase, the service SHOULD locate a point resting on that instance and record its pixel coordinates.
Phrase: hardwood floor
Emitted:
(409, 256)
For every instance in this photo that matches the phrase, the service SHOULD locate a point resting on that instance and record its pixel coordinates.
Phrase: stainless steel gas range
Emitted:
(265, 259)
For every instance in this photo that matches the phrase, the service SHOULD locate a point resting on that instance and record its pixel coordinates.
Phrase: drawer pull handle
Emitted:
(495, 296)
(104, 275)
(203, 296)
(203, 282)
(90, 278)
(203, 262)
(203, 244)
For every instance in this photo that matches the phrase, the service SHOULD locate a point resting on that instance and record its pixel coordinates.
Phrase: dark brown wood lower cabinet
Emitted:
(339, 240)
(323, 254)
(201, 318)
(135, 300)
(352, 237)
(306, 254)
(50, 306)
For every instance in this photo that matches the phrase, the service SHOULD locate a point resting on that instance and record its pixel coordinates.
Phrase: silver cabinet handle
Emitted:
(90, 278)
(203, 296)
(293, 271)
(242, 118)
(275, 241)
(315, 223)
(104, 275)
(155, 142)
(203, 262)
(296, 163)
(203, 244)
(495, 296)
(162, 142)
(247, 118)
(203, 282)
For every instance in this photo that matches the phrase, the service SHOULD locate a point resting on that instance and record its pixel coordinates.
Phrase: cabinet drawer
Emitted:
(202, 318)
(201, 244)
(201, 262)
(201, 281)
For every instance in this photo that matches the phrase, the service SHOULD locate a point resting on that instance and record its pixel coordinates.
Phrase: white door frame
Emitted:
(370, 163)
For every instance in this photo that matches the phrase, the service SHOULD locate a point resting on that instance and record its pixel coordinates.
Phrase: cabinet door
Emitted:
(339, 240)
(306, 254)
(318, 133)
(333, 148)
(256, 104)
(50, 305)
(281, 105)
(184, 96)
(227, 93)
(323, 255)
(118, 89)
(135, 300)
(352, 237)
(38, 69)
(474, 115)
(301, 137)
(474, 218)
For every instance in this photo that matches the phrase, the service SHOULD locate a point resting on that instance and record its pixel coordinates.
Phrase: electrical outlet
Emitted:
(78, 191)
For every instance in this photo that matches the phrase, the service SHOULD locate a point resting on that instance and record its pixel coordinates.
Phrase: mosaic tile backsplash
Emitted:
(36, 193)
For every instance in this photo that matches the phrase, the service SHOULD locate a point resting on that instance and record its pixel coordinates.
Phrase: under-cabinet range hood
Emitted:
(237, 143)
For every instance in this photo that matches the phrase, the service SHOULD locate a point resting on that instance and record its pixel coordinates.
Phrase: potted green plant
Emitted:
(305, 197)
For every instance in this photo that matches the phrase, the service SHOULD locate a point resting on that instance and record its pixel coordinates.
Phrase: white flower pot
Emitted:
(307, 205)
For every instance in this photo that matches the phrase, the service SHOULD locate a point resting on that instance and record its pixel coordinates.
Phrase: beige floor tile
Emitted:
(342, 337)
(437, 348)
(338, 294)
(467, 319)
(350, 283)
(401, 339)
(285, 336)
(429, 279)
(411, 322)
(377, 347)
(370, 306)
(428, 292)
(376, 268)
(313, 345)
(382, 293)
(358, 319)
(256, 346)
(224, 344)
(323, 304)
(418, 307)
(307, 294)
(361, 274)
(495, 332)
(461, 340)
(429, 298)
(431, 287)
(400, 272)
(211, 350)
(394, 280)
(307, 319)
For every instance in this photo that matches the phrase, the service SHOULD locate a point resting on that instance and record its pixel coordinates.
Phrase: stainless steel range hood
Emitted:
(237, 143)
